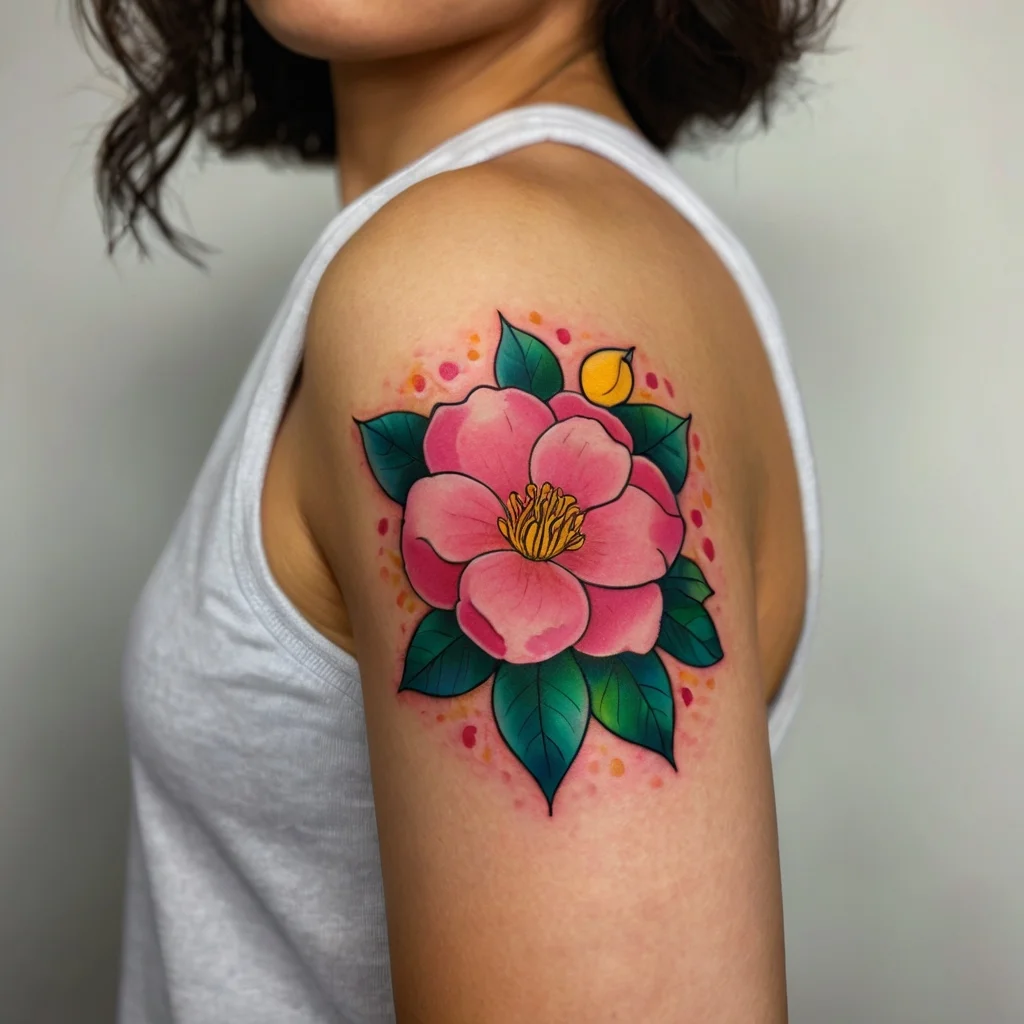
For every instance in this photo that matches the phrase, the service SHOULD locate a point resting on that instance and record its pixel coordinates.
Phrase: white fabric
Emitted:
(254, 888)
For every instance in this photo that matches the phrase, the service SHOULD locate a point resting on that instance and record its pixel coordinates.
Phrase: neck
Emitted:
(390, 112)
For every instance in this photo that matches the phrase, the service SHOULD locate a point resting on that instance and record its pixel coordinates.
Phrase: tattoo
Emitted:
(541, 526)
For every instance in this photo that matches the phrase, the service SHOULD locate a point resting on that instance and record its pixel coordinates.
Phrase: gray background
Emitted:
(887, 213)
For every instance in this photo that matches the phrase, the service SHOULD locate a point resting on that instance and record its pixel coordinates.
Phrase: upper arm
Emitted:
(563, 700)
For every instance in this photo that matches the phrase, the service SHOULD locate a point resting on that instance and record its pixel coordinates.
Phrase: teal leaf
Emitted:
(525, 362)
(686, 576)
(542, 712)
(441, 660)
(631, 696)
(394, 449)
(687, 630)
(660, 436)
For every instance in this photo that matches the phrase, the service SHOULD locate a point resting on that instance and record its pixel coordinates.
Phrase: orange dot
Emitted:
(410, 605)
(487, 755)
(700, 461)
(473, 355)
(646, 395)
(396, 559)
(400, 600)
(474, 337)
(440, 718)
(706, 498)
(536, 318)
(395, 577)
(617, 768)
(594, 767)
(656, 782)
(711, 683)
(585, 335)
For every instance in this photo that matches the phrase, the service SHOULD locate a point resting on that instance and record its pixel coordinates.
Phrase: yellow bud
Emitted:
(606, 376)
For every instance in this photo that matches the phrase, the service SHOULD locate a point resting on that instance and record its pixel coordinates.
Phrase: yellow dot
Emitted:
(473, 355)
(536, 318)
(707, 499)
(617, 768)
(487, 755)
(585, 335)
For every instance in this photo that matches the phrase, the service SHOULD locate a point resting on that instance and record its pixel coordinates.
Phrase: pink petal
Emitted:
(649, 478)
(579, 456)
(434, 580)
(630, 541)
(571, 403)
(449, 519)
(520, 610)
(622, 620)
(489, 437)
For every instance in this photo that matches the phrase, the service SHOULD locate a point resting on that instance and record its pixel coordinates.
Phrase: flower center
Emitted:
(544, 523)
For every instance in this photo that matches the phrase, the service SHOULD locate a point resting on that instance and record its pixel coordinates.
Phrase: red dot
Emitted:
(448, 371)
(696, 442)
(382, 527)
(687, 695)
(469, 737)
(652, 381)
(698, 519)
(418, 382)
(709, 549)
(563, 335)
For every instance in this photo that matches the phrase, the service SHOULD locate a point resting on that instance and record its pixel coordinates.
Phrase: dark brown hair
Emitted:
(209, 66)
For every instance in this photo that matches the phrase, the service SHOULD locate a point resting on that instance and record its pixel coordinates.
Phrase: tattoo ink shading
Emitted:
(541, 526)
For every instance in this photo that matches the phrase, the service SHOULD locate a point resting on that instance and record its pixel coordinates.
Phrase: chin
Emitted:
(350, 30)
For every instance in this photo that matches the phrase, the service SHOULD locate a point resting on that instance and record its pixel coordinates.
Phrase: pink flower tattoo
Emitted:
(542, 526)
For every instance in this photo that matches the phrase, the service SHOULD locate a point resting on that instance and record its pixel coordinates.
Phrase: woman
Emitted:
(512, 518)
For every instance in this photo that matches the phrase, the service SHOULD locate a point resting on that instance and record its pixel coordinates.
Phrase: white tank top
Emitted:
(254, 882)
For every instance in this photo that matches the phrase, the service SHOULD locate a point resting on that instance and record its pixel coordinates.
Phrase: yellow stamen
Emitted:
(543, 524)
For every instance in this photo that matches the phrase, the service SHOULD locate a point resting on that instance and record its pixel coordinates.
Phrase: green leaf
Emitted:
(441, 660)
(660, 436)
(525, 362)
(685, 575)
(631, 696)
(394, 449)
(687, 631)
(542, 712)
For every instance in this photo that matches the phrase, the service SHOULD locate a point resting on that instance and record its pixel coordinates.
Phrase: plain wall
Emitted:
(886, 211)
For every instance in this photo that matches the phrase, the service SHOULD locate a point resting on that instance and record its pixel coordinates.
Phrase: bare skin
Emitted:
(704, 944)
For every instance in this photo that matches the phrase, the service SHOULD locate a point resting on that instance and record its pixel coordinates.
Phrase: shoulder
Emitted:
(546, 216)
(553, 231)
